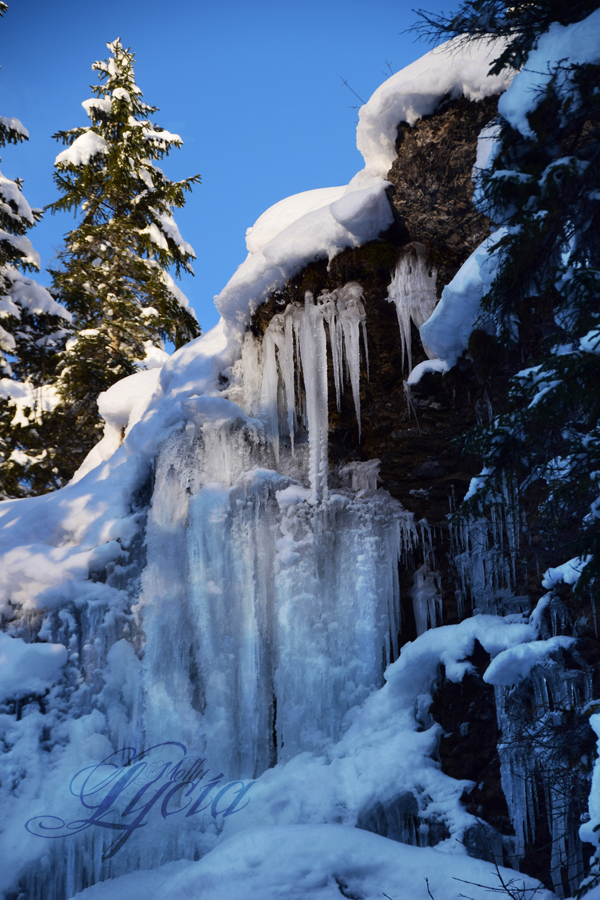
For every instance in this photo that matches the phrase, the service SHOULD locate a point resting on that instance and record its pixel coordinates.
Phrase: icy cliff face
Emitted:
(243, 624)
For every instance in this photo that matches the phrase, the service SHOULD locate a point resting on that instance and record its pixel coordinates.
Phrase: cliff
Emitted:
(267, 579)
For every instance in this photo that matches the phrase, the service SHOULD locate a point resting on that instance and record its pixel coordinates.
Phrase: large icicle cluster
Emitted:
(294, 372)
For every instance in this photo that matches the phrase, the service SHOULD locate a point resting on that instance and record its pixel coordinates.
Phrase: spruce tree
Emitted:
(32, 330)
(113, 271)
(538, 353)
(544, 187)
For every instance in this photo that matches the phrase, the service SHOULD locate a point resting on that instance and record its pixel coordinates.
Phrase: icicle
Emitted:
(288, 378)
(313, 352)
(427, 599)
(295, 357)
(246, 376)
(330, 315)
(352, 316)
(360, 476)
(268, 399)
(485, 553)
(539, 741)
(412, 291)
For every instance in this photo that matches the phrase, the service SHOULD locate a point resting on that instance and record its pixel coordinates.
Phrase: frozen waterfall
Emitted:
(268, 615)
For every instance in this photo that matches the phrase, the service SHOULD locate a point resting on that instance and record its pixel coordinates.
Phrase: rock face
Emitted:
(433, 189)
(418, 435)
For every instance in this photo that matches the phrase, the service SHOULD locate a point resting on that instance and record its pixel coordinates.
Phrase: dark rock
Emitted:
(429, 470)
(432, 182)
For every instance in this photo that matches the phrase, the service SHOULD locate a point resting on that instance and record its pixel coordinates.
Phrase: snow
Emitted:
(28, 668)
(486, 142)
(156, 236)
(286, 212)
(32, 296)
(429, 365)
(451, 69)
(569, 572)
(516, 663)
(14, 125)
(590, 343)
(11, 192)
(313, 863)
(170, 228)
(102, 103)
(266, 596)
(458, 313)
(589, 831)
(478, 482)
(154, 357)
(176, 290)
(161, 138)
(566, 45)
(25, 396)
(82, 150)
(121, 94)
(7, 341)
(121, 406)
(322, 233)
(23, 246)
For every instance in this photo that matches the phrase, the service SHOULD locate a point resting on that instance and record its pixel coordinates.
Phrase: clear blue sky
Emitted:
(254, 89)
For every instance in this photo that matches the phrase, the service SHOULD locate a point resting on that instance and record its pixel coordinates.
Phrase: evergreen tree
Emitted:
(32, 329)
(113, 273)
(538, 348)
(544, 188)
(520, 23)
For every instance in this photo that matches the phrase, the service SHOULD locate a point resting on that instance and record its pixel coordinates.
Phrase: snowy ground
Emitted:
(317, 863)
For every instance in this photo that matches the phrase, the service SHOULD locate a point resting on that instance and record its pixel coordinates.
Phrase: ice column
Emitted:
(427, 599)
(337, 611)
(313, 353)
(278, 377)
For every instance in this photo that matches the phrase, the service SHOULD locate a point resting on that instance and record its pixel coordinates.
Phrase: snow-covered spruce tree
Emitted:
(32, 329)
(113, 274)
(543, 187)
(538, 349)
(521, 23)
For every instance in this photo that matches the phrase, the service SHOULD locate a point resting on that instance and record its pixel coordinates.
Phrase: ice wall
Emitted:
(270, 605)
(545, 739)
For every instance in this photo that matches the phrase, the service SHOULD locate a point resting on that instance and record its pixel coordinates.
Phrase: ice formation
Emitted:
(294, 351)
(203, 581)
(538, 778)
(412, 291)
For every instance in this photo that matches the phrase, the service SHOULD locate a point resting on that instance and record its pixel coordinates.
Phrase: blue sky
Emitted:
(254, 89)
